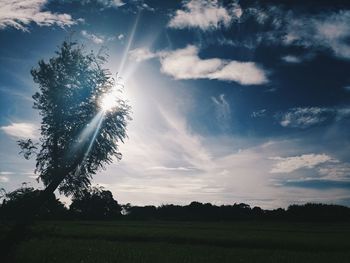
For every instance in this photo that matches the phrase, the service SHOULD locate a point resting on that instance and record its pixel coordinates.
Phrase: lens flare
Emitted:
(109, 101)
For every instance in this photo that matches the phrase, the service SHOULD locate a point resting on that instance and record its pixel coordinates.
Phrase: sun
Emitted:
(109, 101)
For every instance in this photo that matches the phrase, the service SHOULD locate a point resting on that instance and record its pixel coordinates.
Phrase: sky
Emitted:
(232, 101)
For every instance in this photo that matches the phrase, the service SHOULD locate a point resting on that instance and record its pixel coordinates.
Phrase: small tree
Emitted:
(95, 203)
(24, 198)
(83, 120)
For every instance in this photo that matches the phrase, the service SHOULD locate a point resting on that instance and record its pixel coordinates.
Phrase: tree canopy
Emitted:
(95, 203)
(79, 135)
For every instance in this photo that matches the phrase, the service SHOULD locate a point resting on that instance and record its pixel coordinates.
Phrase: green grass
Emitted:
(185, 242)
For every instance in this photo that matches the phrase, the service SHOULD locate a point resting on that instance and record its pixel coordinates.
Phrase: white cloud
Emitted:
(347, 88)
(179, 169)
(4, 179)
(4, 176)
(336, 171)
(121, 36)
(258, 114)
(145, 6)
(116, 3)
(20, 13)
(141, 54)
(92, 37)
(105, 3)
(6, 173)
(186, 64)
(21, 130)
(245, 73)
(291, 59)
(204, 15)
(305, 117)
(290, 164)
(311, 116)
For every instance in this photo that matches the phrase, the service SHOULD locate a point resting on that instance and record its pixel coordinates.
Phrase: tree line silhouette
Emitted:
(96, 203)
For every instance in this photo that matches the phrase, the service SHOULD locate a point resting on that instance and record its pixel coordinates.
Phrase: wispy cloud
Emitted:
(204, 15)
(6, 173)
(115, 3)
(223, 112)
(327, 30)
(292, 59)
(105, 3)
(19, 14)
(94, 38)
(178, 169)
(167, 162)
(311, 116)
(141, 54)
(132, 6)
(258, 113)
(21, 130)
(304, 117)
(290, 164)
(121, 37)
(335, 171)
(331, 174)
(319, 31)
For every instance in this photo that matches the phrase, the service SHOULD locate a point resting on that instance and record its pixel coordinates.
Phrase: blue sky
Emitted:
(233, 101)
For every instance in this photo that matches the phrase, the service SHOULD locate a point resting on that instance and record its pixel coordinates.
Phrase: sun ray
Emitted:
(127, 48)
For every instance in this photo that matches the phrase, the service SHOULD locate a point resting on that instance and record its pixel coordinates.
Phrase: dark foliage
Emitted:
(95, 203)
(318, 212)
(207, 212)
(22, 200)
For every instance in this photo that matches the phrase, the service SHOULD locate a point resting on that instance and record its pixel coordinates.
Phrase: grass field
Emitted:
(77, 241)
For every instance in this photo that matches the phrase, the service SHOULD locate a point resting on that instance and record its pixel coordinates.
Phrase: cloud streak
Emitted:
(19, 14)
(223, 112)
(311, 116)
(141, 54)
(4, 179)
(326, 30)
(186, 64)
(94, 38)
(21, 130)
(291, 164)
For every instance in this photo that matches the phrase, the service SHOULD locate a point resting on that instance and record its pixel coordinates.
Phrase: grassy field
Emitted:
(185, 242)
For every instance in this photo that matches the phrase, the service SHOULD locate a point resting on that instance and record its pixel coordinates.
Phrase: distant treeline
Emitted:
(98, 204)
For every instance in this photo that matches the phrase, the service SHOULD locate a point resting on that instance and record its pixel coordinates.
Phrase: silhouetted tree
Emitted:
(23, 199)
(83, 122)
(95, 203)
(318, 212)
(79, 134)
